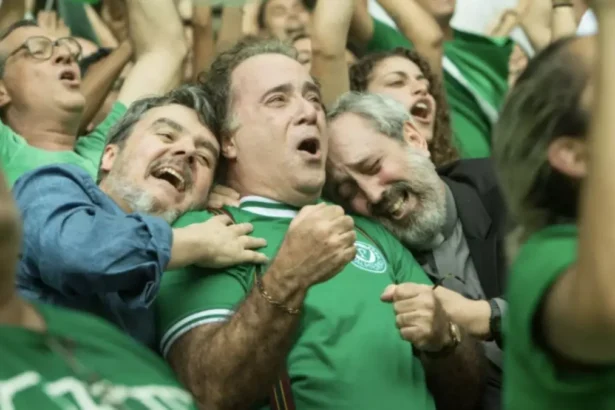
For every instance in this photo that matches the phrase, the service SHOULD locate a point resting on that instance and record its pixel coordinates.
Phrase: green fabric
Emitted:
(34, 377)
(483, 61)
(74, 16)
(348, 353)
(17, 157)
(532, 381)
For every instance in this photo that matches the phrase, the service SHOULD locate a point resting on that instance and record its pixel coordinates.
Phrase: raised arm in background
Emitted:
(103, 33)
(157, 34)
(11, 11)
(203, 47)
(545, 21)
(99, 79)
(330, 25)
(231, 27)
(584, 331)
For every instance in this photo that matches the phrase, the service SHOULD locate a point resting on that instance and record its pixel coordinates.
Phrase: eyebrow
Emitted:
(201, 143)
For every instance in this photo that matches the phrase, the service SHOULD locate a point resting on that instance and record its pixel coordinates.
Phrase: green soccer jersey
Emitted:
(17, 157)
(475, 78)
(532, 380)
(348, 353)
(110, 371)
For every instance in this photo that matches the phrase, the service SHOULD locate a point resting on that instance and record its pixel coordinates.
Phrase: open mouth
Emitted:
(310, 146)
(422, 110)
(172, 176)
(69, 76)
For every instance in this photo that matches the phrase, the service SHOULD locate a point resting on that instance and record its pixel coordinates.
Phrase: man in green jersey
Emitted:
(41, 102)
(55, 359)
(560, 328)
(327, 306)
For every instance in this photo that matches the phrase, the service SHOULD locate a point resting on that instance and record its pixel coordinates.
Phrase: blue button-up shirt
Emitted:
(80, 250)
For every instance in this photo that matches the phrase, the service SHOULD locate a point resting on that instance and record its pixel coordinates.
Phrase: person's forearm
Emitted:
(563, 22)
(99, 81)
(331, 22)
(11, 12)
(234, 365)
(419, 27)
(103, 33)
(473, 316)
(155, 26)
(203, 47)
(457, 381)
(230, 29)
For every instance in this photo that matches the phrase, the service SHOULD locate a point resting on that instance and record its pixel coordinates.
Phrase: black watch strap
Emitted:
(495, 321)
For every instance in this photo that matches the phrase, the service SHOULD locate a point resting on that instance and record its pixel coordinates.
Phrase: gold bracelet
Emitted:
(264, 294)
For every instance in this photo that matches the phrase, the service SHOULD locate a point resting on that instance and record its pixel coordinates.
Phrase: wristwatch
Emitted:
(455, 334)
(495, 321)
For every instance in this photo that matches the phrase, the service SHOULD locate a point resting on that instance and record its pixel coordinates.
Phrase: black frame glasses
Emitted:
(42, 48)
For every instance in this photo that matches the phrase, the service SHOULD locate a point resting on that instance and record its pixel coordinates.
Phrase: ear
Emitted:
(229, 147)
(5, 98)
(568, 155)
(109, 156)
(413, 137)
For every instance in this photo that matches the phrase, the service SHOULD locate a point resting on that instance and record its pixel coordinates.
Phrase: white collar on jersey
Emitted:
(267, 207)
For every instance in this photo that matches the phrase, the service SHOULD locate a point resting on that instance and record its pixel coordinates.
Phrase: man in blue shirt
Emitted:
(103, 248)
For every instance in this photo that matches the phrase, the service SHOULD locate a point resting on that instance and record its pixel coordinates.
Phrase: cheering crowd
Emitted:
(293, 204)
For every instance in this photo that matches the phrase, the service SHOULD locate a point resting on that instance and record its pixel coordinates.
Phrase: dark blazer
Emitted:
(482, 212)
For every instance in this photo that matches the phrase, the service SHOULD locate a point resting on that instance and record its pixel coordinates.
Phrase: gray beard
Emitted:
(138, 200)
(423, 228)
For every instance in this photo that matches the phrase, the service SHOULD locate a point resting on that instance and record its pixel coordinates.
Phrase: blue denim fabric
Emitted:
(80, 250)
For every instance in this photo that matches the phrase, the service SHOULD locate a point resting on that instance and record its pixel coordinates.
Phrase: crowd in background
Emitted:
(306, 204)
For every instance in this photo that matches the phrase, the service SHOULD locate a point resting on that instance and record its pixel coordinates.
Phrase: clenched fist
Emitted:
(419, 316)
(318, 244)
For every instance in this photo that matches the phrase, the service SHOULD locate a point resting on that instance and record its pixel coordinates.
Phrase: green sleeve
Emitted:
(541, 261)
(10, 142)
(405, 267)
(91, 146)
(193, 297)
(386, 38)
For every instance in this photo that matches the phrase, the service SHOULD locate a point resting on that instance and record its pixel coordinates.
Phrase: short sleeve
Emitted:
(91, 146)
(194, 297)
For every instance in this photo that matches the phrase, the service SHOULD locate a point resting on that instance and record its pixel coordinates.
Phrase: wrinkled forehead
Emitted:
(257, 75)
(20, 35)
(396, 64)
(352, 140)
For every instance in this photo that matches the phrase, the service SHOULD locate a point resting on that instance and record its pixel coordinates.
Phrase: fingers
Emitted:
(388, 294)
(410, 290)
(253, 257)
(223, 219)
(241, 229)
(249, 242)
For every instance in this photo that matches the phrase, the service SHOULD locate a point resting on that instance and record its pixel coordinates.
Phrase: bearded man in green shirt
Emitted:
(557, 174)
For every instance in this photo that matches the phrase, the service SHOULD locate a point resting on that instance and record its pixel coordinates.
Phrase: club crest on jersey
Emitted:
(369, 258)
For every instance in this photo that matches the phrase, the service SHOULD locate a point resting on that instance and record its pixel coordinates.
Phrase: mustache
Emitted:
(398, 190)
(179, 164)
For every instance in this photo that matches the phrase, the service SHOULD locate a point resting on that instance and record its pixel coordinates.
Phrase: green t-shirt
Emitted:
(348, 353)
(483, 63)
(35, 376)
(17, 157)
(532, 380)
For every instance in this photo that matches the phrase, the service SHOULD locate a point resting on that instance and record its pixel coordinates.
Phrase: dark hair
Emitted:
(189, 96)
(441, 147)
(217, 81)
(7, 32)
(544, 104)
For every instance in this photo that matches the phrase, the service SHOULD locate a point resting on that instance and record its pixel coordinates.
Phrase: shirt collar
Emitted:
(267, 207)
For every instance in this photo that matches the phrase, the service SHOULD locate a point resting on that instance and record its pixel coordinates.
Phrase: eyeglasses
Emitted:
(42, 48)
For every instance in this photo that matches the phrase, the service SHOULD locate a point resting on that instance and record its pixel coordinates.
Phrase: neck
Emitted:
(106, 188)
(447, 30)
(17, 312)
(57, 132)
(291, 197)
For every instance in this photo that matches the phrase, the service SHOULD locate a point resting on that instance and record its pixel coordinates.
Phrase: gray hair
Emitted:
(189, 96)
(386, 114)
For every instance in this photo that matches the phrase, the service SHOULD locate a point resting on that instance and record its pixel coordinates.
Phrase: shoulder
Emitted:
(51, 176)
(477, 174)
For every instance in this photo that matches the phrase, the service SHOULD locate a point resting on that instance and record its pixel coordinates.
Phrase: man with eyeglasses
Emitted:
(41, 102)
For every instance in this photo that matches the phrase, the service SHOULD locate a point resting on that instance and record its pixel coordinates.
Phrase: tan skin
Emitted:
(304, 48)
(33, 87)
(284, 18)
(442, 11)
(401, 79)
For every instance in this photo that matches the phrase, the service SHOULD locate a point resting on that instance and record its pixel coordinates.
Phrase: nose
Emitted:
(184, 147)
(371, 189)
(419, 88)
(62, 55)
(308, 112)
